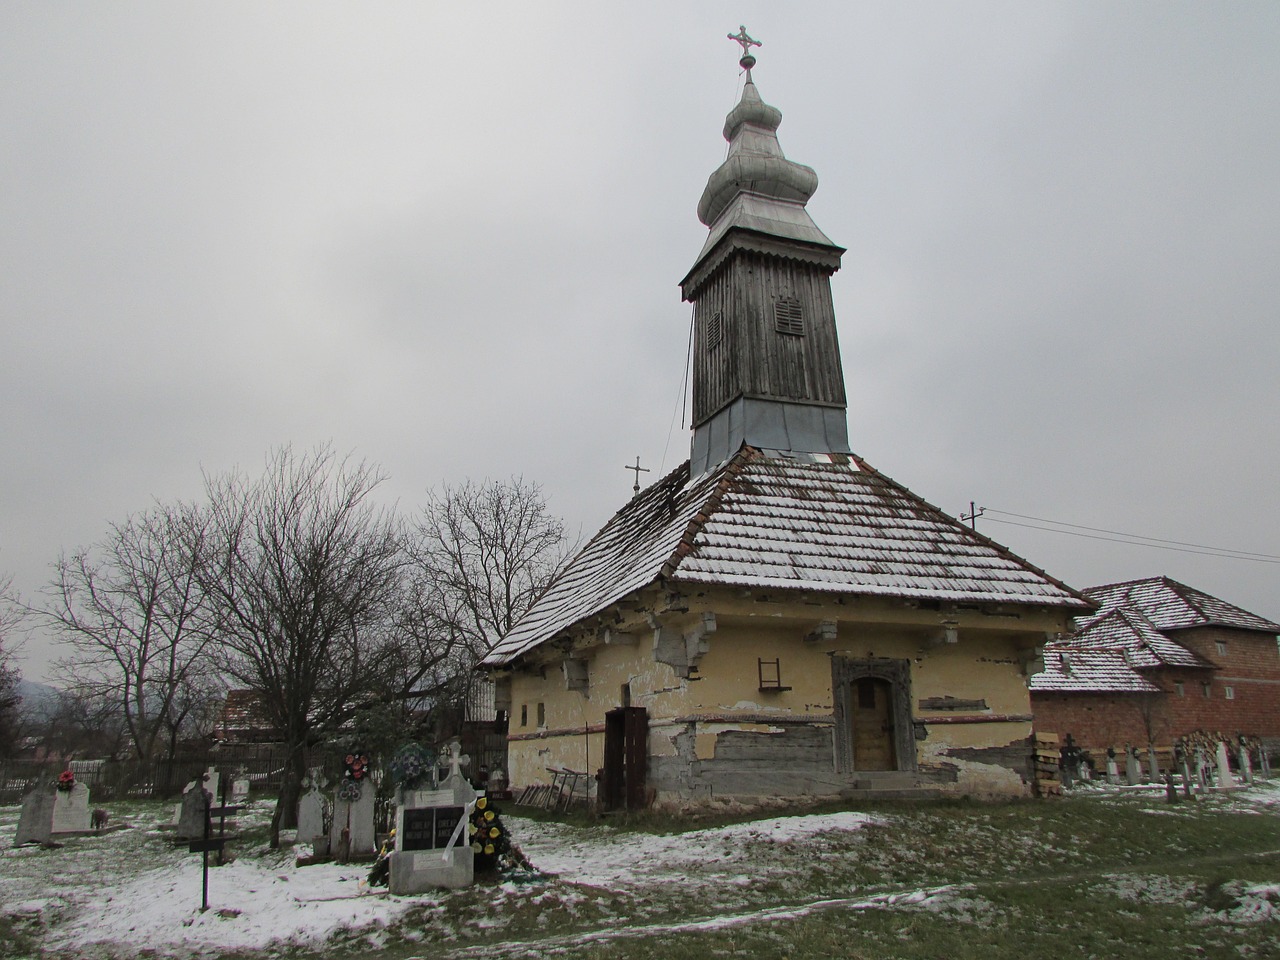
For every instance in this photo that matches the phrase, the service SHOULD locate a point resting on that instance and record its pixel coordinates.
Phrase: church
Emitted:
(777, 617)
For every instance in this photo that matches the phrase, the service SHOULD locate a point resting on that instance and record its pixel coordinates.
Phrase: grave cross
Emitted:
(747, 61)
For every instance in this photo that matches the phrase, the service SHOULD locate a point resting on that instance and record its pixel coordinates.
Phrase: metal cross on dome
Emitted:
(742, 38)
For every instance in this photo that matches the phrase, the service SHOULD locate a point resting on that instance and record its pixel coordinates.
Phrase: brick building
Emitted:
(1157, 661)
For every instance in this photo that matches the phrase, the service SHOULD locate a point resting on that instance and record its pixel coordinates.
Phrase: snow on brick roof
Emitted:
(1088, 670)
(1170, 605)
(772, 522)
(1126, 629)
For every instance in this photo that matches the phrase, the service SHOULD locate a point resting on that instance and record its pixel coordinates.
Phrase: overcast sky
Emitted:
(447, 238)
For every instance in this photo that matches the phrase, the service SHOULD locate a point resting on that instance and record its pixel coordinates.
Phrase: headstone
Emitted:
(35, 822)
(1224, 767)
(1264, 762)
(1202, 771)
(1186, 775)
(240, 790)
(195, 806)
(1133, 772)
(433, 849)
(1246, 765)
(356, 817)
(1113, 770)
(310, 814)
(212, 781)
(71, 810)
(1153, 764)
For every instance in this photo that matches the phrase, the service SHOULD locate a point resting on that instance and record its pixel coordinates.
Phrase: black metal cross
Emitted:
(638, 470)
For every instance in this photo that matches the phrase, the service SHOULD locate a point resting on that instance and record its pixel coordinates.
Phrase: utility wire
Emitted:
(1133, 539)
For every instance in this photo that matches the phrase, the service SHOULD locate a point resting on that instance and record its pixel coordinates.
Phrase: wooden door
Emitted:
(872, 719)
(626, 756)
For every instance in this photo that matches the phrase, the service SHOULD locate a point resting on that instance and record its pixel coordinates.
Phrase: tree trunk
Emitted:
(286, 812)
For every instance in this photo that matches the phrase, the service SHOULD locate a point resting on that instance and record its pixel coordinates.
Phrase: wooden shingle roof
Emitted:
(1071, 669)
(828, 524)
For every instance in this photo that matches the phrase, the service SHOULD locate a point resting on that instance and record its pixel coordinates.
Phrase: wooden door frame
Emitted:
(625, 769)
(845, 673)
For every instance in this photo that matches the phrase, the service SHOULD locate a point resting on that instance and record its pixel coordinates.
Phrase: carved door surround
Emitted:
(845, 674)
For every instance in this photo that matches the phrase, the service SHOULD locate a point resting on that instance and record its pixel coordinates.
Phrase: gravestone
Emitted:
(71, 810)
(240, 790)
(1246, 764)
(433, 849)
(1113, 769)
(1224, 767)
(35, 822)
(1133, 772)
(193, 812)
(311, 811)
(356, 817)
(1153, 764)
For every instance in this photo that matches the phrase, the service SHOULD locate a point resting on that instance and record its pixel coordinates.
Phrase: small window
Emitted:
(1179, 688)
(715, 330)
(1207, 689)
(788, 317)
(1221, 645)
(1230, 692)
(524, 714)
(542, 715)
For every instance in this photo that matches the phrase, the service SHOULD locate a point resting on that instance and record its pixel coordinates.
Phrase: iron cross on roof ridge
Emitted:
(742, 38)
(639, 470)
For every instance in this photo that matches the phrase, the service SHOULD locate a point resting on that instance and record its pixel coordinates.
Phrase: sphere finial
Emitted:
(747, 61)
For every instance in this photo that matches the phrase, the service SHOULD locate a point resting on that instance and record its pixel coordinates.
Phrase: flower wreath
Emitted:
(412, 766)
(66, 780)
(489, 837)
(355, 770)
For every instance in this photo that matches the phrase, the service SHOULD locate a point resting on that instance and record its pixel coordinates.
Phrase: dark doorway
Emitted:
(872, 717)
(626, 753)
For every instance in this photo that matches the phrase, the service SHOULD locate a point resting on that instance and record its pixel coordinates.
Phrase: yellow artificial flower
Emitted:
(495, 832)
(476, 847)
(481, 803)
(488, 848)
(488, 814)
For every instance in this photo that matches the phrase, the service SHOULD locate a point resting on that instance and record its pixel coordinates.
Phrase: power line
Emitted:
(1132, 539)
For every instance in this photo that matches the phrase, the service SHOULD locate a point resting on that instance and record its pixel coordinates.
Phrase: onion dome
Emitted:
(755, 164)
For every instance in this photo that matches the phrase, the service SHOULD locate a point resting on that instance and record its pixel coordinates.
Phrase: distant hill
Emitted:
(36, 697)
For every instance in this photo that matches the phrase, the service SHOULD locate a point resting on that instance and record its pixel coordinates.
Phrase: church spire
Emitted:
(766, 359)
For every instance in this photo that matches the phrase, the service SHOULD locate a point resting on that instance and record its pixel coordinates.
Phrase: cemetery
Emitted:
(442, 864)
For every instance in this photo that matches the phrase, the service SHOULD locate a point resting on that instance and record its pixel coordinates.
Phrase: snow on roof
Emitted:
(773, 522)
(1070, 669)
(1171, 605)
(1128, 630)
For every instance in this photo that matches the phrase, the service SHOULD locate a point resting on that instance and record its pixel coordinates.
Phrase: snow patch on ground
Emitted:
(603, 857)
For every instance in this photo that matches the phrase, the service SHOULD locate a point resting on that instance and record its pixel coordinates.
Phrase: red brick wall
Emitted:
(1097, 721)
(1249, 665)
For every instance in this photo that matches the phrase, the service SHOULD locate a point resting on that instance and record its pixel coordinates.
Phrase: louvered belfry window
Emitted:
(788, 317)
(715, 330)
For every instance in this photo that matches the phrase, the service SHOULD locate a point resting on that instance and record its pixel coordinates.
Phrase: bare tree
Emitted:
(11, 614)
(134, 619)
(488, 550)
(311, 582)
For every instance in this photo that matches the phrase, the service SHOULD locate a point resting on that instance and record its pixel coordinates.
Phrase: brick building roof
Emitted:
(829, 524)
(1170, 605)
(1071, 669)
(1137, 622)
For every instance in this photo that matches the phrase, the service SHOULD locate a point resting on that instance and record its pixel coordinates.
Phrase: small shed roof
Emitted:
(830, 523)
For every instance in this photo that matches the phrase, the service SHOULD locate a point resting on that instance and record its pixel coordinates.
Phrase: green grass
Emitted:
(1076, 877)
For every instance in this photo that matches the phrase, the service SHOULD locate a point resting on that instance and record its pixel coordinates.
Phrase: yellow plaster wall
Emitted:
(984, 664)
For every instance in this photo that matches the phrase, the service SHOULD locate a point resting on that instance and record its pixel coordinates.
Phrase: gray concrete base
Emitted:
(419, 871)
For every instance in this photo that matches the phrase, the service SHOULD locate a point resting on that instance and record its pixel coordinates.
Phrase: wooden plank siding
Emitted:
(753, 359)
